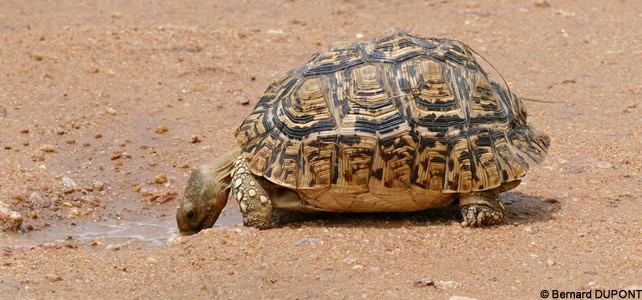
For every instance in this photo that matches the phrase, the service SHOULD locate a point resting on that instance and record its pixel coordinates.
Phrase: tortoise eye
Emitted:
(190, 214)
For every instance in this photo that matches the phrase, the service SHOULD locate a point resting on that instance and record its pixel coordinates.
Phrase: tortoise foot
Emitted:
(251, 196)
(482, 209)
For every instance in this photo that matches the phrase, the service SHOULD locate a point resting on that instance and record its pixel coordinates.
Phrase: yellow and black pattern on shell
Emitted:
(383, 117)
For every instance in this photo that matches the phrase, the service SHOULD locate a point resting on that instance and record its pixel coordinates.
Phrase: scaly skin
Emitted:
(482, 208)
(251, 196)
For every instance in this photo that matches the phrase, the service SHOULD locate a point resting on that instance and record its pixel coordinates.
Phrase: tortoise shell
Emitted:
(383, 117)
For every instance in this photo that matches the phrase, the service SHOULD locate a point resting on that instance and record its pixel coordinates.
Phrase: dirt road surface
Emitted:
(106, 106)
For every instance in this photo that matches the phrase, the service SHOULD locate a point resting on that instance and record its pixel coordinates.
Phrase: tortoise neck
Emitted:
(219, 171)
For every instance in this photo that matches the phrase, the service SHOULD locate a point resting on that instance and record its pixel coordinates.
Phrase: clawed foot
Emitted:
(479, 215)
(482, 208)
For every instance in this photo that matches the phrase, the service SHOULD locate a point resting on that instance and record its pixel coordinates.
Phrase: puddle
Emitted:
(147, 232)
(144, 231)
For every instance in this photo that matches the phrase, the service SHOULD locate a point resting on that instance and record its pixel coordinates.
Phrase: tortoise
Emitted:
(397, 124)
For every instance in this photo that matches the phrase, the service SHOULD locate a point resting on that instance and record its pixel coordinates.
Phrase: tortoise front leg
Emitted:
(482, 208)
(251, 196)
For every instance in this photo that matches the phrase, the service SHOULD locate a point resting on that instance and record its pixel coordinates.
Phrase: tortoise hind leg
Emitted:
(482, 208)
(251, 196)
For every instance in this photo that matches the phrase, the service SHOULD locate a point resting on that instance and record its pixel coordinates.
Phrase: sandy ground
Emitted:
(106, 106)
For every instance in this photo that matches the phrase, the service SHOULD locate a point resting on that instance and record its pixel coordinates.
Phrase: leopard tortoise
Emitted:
(401, 123)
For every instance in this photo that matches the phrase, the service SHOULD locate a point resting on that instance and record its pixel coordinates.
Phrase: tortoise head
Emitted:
(206, 194)
(542, 139)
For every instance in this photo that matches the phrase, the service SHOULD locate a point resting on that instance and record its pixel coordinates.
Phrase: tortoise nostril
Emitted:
(190, 214)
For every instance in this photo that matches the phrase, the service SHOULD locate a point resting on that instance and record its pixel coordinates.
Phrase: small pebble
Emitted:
(53, 277)
(162, 129)
(110, 110)
(244, 101)
(550, 262)
(449, 284)
(194, 139)
(69, 185)
(9, 220)
(98, 185)
(47, 148)
(424, 282)
(68, 182)
(98, 135)
(39, 200)
(37, 56)
(24, 130)
(113, 247)
(116, 155)
(74, 212)
(160, 179)
(38, 156)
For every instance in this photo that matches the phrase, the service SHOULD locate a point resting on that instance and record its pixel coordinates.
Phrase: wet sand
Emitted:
(105, 107)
